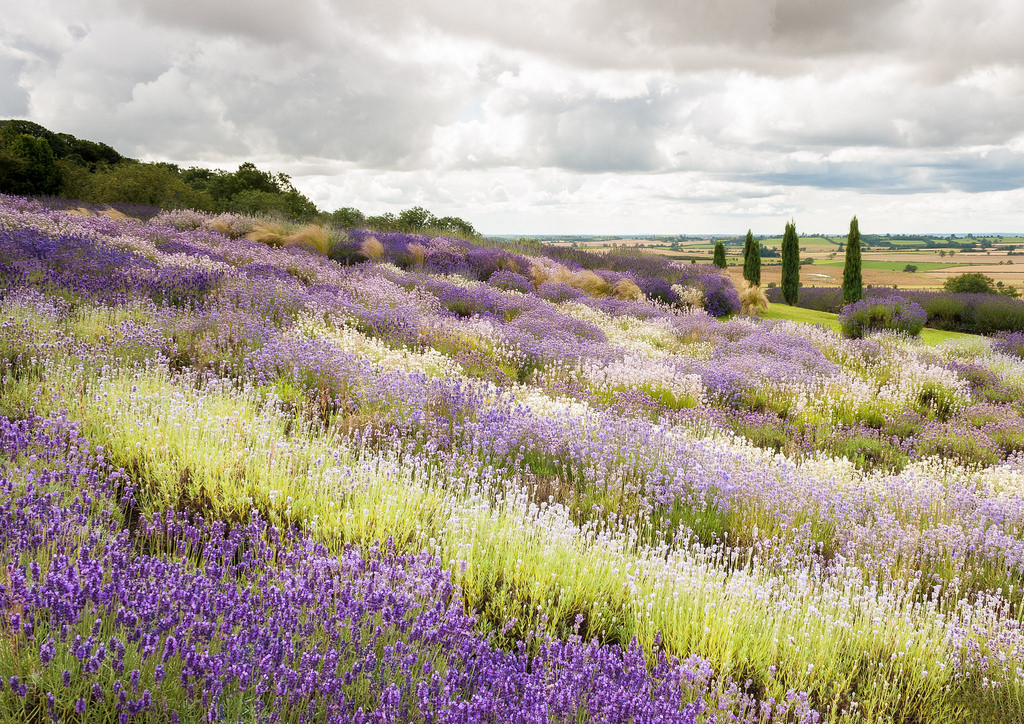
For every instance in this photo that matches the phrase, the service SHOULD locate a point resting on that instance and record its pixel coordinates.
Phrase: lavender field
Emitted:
(259, 473)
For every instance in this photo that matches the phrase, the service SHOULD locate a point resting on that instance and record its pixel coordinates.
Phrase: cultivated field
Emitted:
(881, 267)
(267, 473)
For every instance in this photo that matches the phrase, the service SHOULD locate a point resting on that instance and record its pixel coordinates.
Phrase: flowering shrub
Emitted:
(957, 312)
(510, 281)
(1011, 343)
(876, 314)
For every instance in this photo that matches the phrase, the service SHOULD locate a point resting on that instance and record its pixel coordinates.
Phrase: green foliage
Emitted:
(348, 218)
(997, 315)
(418, 220)
(754, 273)
(868, 452)
(790, 265)
(910, 268)
(853, 285)
(34, 160)
(719, 258)
(414, 219)
(971, 283)
(752, 260)
(88, 154)
(141, 183)
(27, 165)
(249, 190)
(1007, 290)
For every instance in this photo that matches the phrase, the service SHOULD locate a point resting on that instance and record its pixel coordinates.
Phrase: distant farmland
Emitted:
(1003, 260)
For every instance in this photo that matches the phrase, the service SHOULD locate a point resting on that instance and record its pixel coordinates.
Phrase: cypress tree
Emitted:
(752, 260)
(853, 286)
(746, 254)
(719, 259)
(790, 264)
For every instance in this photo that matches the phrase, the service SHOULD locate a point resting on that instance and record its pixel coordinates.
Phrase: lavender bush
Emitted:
(970, 313)
(876, 314)
(1010, 343)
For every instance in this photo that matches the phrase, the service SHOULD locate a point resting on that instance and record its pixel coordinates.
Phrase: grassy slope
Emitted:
(810, 316)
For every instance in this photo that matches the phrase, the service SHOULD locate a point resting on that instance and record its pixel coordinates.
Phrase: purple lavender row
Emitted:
(184, 619)
(243, 325)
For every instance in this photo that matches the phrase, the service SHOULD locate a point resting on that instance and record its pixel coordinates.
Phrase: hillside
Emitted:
(255, 470)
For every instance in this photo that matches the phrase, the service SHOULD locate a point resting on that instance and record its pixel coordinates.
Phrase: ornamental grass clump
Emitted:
(879, 314)
(753, 301)
(271, 233)
(371, 248)
(626, 289)
(313, 237)
(231, 224)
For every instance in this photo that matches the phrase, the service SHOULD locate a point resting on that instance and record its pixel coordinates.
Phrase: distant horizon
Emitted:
(640, 237)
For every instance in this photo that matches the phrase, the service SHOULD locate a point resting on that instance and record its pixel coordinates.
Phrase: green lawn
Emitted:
(890, 265)
(810, 316)
(808, 241)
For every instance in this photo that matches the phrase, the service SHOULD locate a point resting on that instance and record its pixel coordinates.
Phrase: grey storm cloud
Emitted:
(746, 97)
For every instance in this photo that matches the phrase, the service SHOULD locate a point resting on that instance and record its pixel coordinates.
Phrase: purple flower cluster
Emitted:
(1011, 343)
(185, 619)
(505, 269)
(957, 312)
(875, 314)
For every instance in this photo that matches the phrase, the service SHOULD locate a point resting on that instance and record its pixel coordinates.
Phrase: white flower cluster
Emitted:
(382, 356)
(690, 296)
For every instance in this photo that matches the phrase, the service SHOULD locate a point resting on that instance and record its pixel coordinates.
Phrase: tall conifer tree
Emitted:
(746, 254)
(719, 259)
(752, 261)
(790, 265)
(853, 286)
(752, 269)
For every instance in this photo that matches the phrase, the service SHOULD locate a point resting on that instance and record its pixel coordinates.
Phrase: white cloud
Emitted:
(668, 115)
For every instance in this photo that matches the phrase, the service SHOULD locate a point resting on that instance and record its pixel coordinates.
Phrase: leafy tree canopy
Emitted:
(971, 283)
(37, 161)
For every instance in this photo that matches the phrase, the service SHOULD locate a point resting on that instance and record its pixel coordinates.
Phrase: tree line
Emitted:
(853, 285)
(35, 161)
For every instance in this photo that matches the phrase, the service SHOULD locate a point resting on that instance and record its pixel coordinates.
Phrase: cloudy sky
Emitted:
(558, 116)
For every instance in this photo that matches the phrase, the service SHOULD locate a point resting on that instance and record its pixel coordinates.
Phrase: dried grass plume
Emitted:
(753, 300)
(312, 236)
(589, 282)
(371, 248)
(271, 233)
(627, 289)
(417, 254)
